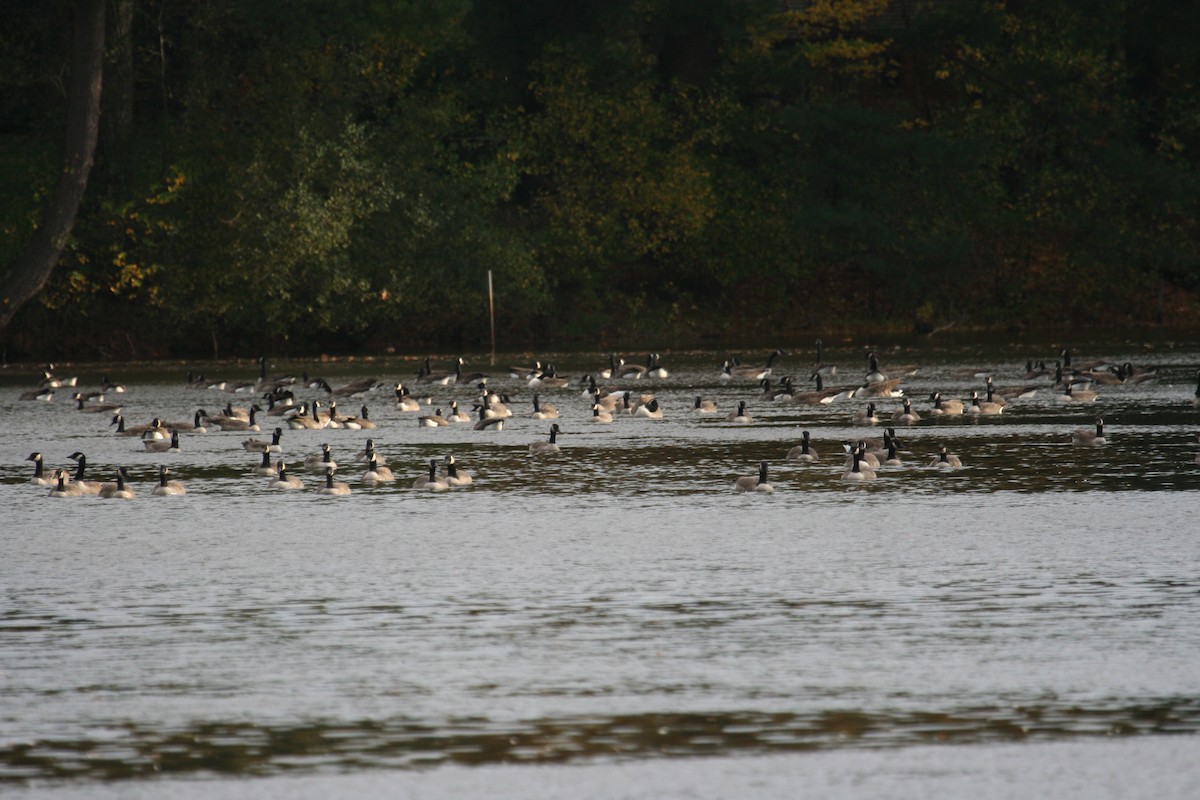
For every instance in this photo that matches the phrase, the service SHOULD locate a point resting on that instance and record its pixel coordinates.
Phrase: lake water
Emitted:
(614, 610)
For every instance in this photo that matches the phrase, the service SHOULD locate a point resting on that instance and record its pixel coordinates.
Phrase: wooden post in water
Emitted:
(492, 315)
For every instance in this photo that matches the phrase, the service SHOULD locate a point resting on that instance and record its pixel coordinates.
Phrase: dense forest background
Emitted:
(341, 175)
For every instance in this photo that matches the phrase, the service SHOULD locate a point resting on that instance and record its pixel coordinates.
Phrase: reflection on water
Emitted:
(614, 601)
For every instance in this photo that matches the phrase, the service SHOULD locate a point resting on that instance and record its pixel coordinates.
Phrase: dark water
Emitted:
(616, 601)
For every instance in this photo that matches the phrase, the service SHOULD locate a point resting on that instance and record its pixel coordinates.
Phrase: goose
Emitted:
(228, 423)
(456, 414)
(266, 381)
(431, 482)
(541, 411)
(703, 406)
(428, 374)
(434, 420)
(549, 379)
(945, 407)
(551, 446)
(39, 471)
(814, 397)
(467, 377)
(364, 455)
(195, 426)
(754, 483)
(363, 421)
(887, 388)
(1074, 395)
(867, 459)
(377, 473)
(906, 415)
(304, 419)
(1131, 374)
(84, 486)
(117, 490)
(982, 406)
(94, 408)
(265, 467)
(945, 460)
(494, 405)
(803, 452)
(745, 371)
(168, 488)
(404, 400)
(649, 410)
(61, 487)
(335, 421)
(1086, 437)
(856, 472)
(525, 373)
(333, 487)
(315, 382)
(609, 401)
(1036, 370)
(356, 388)
(43, 393)
(455, 477)
(50, 381)
(865, 416)
(739, 417)
(279, 403)
(993, 396)
(320, 461)
(283, 480)
(107, 385)
(601, 415)
(654, 369)
(257, 445)
(820, 367)
(487, 420)
(892, 460)
(162, 445)
(632, 371)
(873, 373)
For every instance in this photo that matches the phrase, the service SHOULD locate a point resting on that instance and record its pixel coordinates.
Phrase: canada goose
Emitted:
(195, 426)
(434, 420)
(632, 371)
(277, 406)
(95, 408)
(455, 477)
(867, 459)
(856, 472)
(1037, 370)
(319, 461)
(61, 488)
(982, 406)
(548, 379)
(610, 371)
(335, 421)
(404, 400)
(431, 482)
(542, 448)
(782, 393)
(356, 388)
(1131, 374)
(886, 388)
(745, 371)
(649, 410)
(266, 381)
(873, 373)
(265, 467)
(428, 374)
(814, 397)
(257, 445)
(333, 487)
(754, 483)
(363, 421)
(283, 480)
(820, 367)
(600, 415)
(39, 471)
(377, 473)
(892, 460)
(992, 395)
(945, 407)
(654, 369)
(1074, 395)
(233, 423)
(456, 414)
(43, 393)
(945, 460)
(525, 373)
(609, 401)
(488, 420)
(467, 377)
(117, 490)
(85, 486)
(166, 487)
(365, 454)
(52, 381)
(494, 405)
(541, 411)
(906, 415)
(803, 452)
(304, 420)
(865, 416)
(739, 417)
(162, 445)
(1086, 437)
(704, 406)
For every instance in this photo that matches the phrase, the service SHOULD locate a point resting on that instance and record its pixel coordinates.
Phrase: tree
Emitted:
(28, 273)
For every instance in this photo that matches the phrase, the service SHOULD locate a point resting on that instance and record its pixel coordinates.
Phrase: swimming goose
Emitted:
(365, 454)
(739, 417)
(162, 445)
(61, 488)
(1077, 395)
(1131, 374)
(41, 393)
(649, 410)
(266, 381)
(434, 420)
(704, 406)
(803, 452)
(362, 422)
(320, 461)
(332, 487)
(857, 471)
(431, 482)
(39, 471)
(820, 367)
(117, 490)
(265, 468)
(257, 445)
(600, 415)
(404, 400)
(821, 395)
(780, 394)
(377, 473)
(548, 379)
(168, 488)
(525, 373)
(234, 423)
(85, 486)
(906, 414)
(982, 406)
(456, 414)
(427, 374)
(754, 483)
(488, 419)
(356, 388)
(945, 460)
(867, 459)
(455, 477)
(865, 417)
(873, 373)
(633, 371)
(279, 405)
(97, 407)
(1086, 437)
(542, 448)
(945, 407)
(196, 425)
(1037, 370)
(893, 459)
(283, 480)
(886, 388)
(654, 369)
(746, 371)
(541, 411)
(304, 420)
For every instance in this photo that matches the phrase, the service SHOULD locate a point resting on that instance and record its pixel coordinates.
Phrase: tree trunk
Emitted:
(25, 277)
(116, 115)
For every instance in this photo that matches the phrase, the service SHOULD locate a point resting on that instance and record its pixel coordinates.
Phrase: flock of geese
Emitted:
(280, 410)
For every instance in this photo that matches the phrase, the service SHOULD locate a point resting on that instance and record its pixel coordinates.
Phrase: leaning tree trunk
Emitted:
(25, 277)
